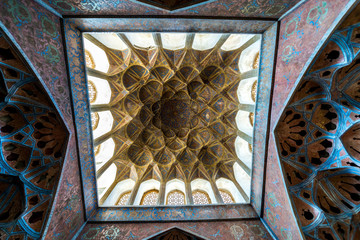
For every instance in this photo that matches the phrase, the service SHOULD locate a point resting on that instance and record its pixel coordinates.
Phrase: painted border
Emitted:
(76, 69)
(73, 28)
(170, 25)
(262, 117)
(168, 213)
(33, 71)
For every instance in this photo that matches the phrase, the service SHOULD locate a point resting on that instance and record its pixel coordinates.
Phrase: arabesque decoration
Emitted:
(318, 141)
(33, 141)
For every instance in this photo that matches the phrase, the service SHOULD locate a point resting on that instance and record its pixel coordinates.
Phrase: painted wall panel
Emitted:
(37, 31)
(224, 230)
(301, 35)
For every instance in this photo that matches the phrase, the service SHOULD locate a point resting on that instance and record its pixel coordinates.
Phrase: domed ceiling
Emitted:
(172, 116)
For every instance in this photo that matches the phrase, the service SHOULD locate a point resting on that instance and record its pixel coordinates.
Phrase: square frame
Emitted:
(73, 28)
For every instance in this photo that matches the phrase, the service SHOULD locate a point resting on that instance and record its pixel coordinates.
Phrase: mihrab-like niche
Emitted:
(172, 116)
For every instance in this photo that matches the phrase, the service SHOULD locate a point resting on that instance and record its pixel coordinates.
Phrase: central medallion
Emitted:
(175, 114)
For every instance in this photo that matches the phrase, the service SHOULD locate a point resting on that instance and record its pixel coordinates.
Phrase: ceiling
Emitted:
(317, 139)
(33, 140)
(315, 159)
(172, 107)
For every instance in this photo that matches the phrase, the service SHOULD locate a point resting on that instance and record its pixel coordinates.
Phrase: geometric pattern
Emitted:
(33, 139)
(56, 1)
(78, 82)
(174, 113)
(318, 140)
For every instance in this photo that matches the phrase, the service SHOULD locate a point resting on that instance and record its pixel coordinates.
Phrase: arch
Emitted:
(110, 40)
(89, 59)
(248, 56)
(106, 179)
(105, 153)
(226, 196)
(201, 197)
(124, 198)
(243, 151)
(205, 186)
(105, 124)
(119, 190)
(244, 91)
(243, 122)
(175, 197)
(203, 41)
(150, 198)
(145, 187)
(101, 60)
(92, 91)
(175, 184)
(235, 41)
(141, 40)
(94, 120)
(173, 41)
(102, 88)
(229, 187)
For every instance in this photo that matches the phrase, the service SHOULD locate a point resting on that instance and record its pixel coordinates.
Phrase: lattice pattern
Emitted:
(175, 198)
(97, 150)
(200, 197)
(150, 198)
(226, 196)
(254, 91)
(256, 61)
(124, 198)
(89, 60)
(92, 91)
(94, 120)
(251, 118)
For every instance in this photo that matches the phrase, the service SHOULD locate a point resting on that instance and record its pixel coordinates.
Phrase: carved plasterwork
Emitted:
(318, 140)
(175, 112)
